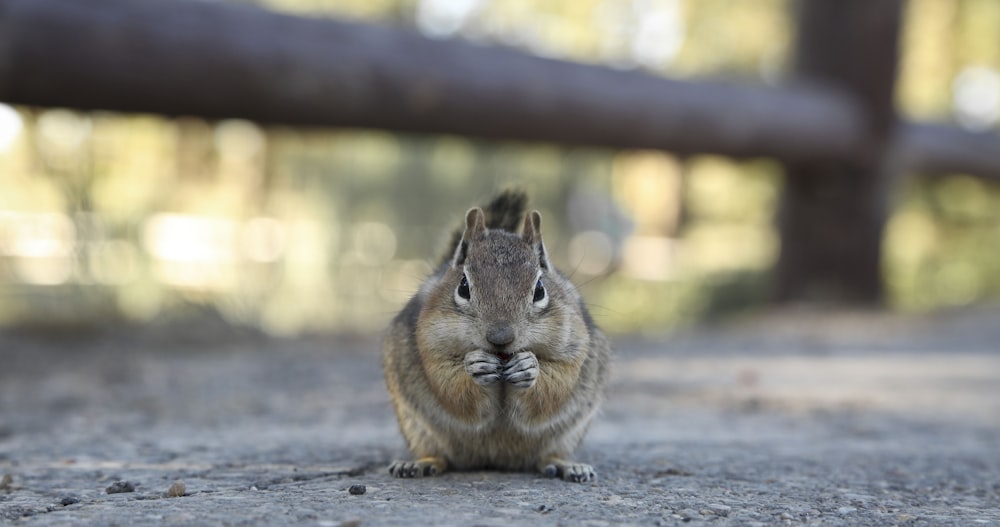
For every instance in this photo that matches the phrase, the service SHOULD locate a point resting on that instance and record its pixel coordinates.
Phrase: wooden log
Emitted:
(931, 149)
(218, 60)
(832, 214)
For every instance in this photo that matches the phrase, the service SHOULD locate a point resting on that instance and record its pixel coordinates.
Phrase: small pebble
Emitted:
(719, 509)
(119, 487)
(846, 510)
(69, 500)
(357, 490)
(176, 490)
(6, 481)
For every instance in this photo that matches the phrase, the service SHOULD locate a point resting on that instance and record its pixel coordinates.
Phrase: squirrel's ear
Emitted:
(475, 225)
(533, 235)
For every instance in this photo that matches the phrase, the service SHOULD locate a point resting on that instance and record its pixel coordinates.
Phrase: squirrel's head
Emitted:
(502, 282)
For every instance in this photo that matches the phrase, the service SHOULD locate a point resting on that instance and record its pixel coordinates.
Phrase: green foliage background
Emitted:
(298, 231)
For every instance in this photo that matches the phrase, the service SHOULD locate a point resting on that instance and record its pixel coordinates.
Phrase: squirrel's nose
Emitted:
(500, 335)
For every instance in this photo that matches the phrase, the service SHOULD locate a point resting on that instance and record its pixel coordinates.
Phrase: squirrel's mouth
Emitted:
(503, 355)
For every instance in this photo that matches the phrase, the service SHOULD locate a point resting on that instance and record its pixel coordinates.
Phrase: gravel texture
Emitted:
(787, 419)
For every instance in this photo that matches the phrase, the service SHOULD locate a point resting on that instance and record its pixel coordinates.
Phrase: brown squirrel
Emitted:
(495, 363)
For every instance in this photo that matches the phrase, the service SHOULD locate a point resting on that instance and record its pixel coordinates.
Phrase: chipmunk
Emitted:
(495, 363)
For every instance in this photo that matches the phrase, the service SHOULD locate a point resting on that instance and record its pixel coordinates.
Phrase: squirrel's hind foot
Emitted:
(568, 470)
(426, 466)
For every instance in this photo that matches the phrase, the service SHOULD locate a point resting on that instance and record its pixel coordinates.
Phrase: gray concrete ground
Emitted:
(856, 419)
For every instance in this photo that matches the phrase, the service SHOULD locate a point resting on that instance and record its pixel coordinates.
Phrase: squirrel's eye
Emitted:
(463, 288)
(539, 291)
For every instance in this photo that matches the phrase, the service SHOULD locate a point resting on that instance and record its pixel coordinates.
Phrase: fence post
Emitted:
(832, 214)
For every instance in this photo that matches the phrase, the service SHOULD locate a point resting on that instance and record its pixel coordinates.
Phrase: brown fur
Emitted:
(500, 378)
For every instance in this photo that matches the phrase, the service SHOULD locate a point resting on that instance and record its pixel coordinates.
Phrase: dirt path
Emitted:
(855, 420)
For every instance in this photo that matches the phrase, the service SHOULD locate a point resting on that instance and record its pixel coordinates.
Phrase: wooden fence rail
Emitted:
(221, 60)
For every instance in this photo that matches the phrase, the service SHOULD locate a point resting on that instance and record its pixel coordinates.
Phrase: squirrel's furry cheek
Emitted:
(565, 341)
(440, 335)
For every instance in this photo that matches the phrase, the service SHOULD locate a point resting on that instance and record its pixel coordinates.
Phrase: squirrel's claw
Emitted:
(522, 370)
(483, 367)
(428, 466)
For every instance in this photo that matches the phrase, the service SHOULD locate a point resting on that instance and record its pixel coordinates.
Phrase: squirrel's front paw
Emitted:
(522, 370)
(483, 367)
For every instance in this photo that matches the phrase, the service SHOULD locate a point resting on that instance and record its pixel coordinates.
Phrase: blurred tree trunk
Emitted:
(832, 214)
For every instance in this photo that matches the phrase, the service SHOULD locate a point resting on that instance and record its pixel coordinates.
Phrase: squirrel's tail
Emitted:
(505, 212)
